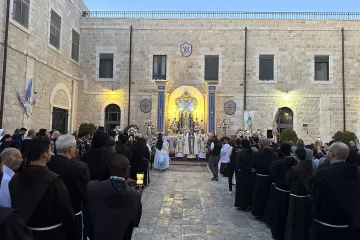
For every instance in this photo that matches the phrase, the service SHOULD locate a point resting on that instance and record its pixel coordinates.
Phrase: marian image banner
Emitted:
(248, 119)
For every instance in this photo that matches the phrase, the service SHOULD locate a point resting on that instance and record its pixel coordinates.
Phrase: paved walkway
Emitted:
(182, 204)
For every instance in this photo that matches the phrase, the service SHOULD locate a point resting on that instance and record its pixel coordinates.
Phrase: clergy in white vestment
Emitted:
(196, 146)
(180, 142)
(202, 141)
(186, 144)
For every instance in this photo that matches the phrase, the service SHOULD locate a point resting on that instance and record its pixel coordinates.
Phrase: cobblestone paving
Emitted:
(186, 205)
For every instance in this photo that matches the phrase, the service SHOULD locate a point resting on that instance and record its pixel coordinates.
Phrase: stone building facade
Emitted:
(295, 46)
(31, 56)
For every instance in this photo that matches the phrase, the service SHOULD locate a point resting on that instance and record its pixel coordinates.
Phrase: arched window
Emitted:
(112, 117)
(285, 119)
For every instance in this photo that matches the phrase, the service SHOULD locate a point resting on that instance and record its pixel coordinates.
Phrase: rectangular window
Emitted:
(212, 68)
(159, 67)
(106, 65)
(21, 12)
(321, 68)
(75, 45)
(266, 67)
(55, 27)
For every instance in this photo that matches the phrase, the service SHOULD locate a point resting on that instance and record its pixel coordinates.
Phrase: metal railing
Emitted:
(223, 15)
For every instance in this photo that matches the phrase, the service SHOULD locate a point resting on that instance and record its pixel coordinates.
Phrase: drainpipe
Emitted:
(245, 73)
(73, 105)
(6, 40)
(343, 75)
(130, 50)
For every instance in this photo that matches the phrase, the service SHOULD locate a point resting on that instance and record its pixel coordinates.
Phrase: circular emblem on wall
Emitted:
(145, 105)
(230, 107)
(186, 49)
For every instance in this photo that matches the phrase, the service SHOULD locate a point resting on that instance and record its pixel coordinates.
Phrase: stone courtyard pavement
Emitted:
(182, 204)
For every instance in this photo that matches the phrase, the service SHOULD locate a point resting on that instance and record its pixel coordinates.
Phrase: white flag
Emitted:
(249, 118)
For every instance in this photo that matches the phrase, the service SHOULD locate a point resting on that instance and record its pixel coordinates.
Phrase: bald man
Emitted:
(336, 197)
(114, 207)
(11, 160)
(262, 160)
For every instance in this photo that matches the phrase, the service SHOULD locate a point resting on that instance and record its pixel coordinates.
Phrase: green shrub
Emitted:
(344, 137)
(130, 126)
(87, 127)
(288, 135)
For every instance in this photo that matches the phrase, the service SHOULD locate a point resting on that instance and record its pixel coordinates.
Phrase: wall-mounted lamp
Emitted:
(287, 94)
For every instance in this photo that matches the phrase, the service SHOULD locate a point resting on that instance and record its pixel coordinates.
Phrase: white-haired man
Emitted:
(74, 173)
(11, 159)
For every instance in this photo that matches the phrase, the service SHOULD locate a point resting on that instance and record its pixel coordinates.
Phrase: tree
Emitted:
(344, 137)
(288, 135)
(87, 127)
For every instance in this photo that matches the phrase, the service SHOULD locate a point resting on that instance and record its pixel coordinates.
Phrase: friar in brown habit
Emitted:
(41, 198)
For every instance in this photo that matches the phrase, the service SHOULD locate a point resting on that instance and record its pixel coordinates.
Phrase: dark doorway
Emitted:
(285, 119)
(60, 120)
(112, 117)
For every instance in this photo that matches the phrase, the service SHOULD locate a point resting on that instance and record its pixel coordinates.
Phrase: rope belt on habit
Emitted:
(262, 175)
(46, 228)
(282, 190)
(77, 214)
(273, 183)
(291, 194)
(332, 226)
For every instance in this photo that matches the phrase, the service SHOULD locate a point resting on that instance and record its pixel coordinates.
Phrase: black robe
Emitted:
(299, 218)
(336, 197)
(114, 210)
(76, 177)
(262, 161)
(12, 227)
(41, 199)
(244, 179)
(139, 161)
(280, 201)
(98, 161)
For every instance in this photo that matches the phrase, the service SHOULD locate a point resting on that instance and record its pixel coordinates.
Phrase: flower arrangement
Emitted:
(132, 131)
(149, 126)
(173, 127)
(224, 124)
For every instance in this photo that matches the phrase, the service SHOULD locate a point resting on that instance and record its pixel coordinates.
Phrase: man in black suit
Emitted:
(18, 137)
(74, 173)
(12, 226)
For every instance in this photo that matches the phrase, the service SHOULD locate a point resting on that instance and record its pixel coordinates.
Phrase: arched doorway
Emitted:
(285, 119)
(112, 117)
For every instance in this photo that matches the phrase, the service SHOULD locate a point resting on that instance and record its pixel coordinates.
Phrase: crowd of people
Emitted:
(71, 187)
(301, 192)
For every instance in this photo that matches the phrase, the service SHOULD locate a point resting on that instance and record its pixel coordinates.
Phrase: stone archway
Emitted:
(284, 119)
(188, 93)
(60, 103)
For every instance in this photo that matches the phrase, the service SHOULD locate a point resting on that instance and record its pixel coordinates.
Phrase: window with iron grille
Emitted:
(266, 67)
(159, 67)
(106, 65)
(21, 12)
(55, 27)
(75, 45)
(212, 68)
(321, 68)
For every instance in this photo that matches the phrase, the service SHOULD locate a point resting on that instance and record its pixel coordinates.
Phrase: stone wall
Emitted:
(30, 56)
(293, 42)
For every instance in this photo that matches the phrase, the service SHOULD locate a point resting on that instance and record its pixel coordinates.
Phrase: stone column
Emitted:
(161, 106)
(211, 105)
